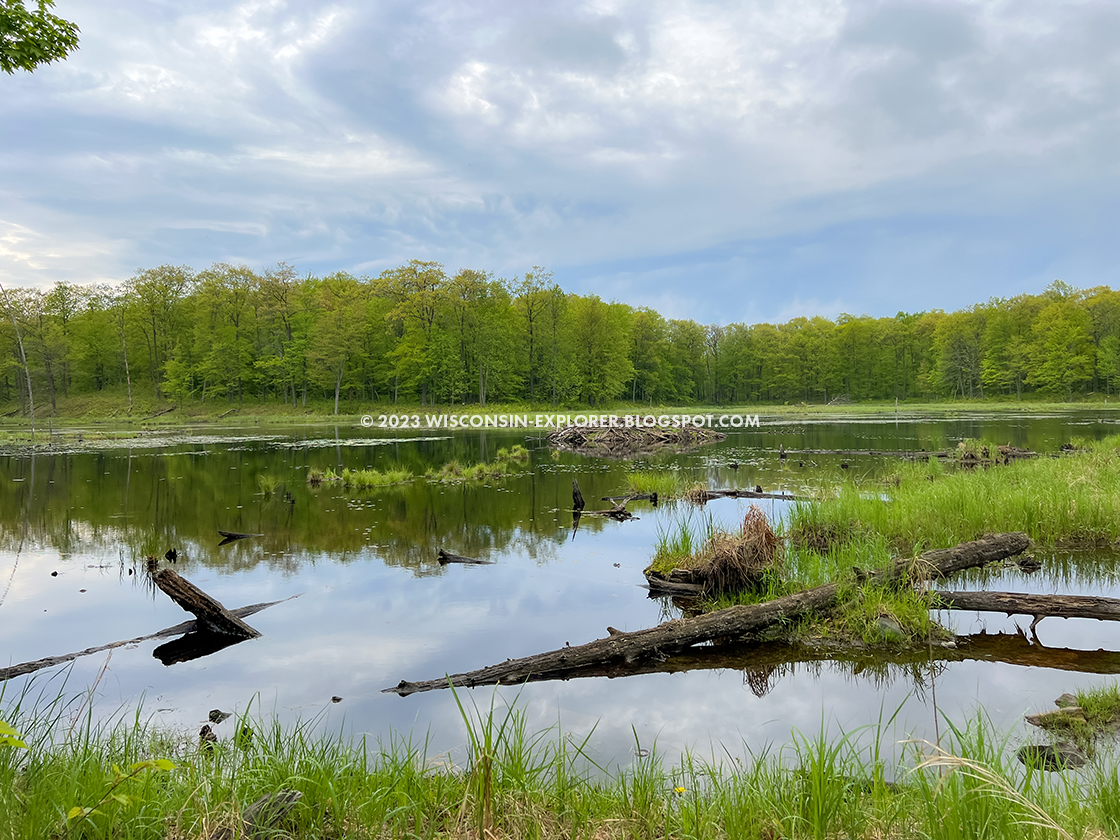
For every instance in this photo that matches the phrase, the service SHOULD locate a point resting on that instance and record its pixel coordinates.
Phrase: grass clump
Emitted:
(1073, 501)
(268, 484)
(667, 484)
(722, 561)
(506, 462)
(372, 479)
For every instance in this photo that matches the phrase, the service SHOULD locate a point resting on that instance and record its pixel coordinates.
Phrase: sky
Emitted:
(721, 161)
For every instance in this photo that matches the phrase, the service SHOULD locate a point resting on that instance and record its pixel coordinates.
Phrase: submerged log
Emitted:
(736, 622)
(707, 495)
(446, 557)
(211, 615)
(637, 497)
(236, 535)
(187, 627)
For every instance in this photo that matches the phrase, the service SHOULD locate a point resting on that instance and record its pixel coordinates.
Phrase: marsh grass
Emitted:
(506, 462)
(269, 483)
(371, 479)
(667, 484)
(517, 782)
(1073, 500)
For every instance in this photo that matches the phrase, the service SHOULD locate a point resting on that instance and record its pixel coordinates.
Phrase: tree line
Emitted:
(417, 334)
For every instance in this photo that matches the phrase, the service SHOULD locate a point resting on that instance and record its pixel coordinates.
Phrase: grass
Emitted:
(1099, 717)
(1072, 500)
(269, 484)
(724, 562)
(516, 782)
(358, 479)
(506, 461)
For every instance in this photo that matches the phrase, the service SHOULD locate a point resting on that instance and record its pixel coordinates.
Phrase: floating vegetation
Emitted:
(506, 461)
(268, 483)
(358, 479)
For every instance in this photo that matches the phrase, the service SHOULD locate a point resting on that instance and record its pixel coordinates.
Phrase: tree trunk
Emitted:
(731, 623)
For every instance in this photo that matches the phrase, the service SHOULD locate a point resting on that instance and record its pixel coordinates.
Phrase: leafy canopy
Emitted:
(28, 39)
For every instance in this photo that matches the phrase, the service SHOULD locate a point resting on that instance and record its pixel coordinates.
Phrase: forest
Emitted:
(417, 335)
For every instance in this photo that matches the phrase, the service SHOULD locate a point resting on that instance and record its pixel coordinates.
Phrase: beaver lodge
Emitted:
(628, 442)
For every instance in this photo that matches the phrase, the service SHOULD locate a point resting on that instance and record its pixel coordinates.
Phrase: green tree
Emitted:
(28, 39)
(1062, 353)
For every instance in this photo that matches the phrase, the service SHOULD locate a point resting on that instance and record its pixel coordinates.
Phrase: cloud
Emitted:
(630, 146)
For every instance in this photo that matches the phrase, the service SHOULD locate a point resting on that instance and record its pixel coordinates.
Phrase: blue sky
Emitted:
(723, 161)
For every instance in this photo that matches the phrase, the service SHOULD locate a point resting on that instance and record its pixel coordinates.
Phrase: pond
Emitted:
(375, 606)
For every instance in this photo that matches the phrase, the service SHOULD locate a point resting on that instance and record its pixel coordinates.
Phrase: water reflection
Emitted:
(377, 606)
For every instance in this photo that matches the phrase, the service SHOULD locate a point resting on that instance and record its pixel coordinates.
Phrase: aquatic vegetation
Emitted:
(506, 462)
(268, 483)
(1072, 500)
(368, 479)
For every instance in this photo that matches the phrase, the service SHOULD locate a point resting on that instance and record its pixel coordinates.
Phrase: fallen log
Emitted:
(639, 497)
(160, 413)
(190, 626)
(707, 495)
(211, 615)
(446, 557)
(236, 535)
(1037, 606)
(736, 622)
(227, 413)
(762, 658)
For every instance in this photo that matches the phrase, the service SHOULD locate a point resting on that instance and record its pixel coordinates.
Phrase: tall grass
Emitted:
(1073, 499)
(519, 783)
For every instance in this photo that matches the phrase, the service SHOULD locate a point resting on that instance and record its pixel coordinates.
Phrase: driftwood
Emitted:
(179, 629)
(211, 615)
(445, 557)
(637, 497)
(1038, 606)
(619, 513)
(707, 495)
(762, 658)
(230, 536)
(735, 622)
(577, 497)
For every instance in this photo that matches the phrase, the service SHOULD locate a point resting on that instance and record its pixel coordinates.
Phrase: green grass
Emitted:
(370, 479)
(269, 484)
(506, 462)
(516, 782)
(667, 484)
(1070, 500)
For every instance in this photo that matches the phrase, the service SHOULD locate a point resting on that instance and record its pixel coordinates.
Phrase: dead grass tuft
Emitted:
(734, 562)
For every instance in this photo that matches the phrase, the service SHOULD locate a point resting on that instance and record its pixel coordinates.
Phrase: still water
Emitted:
(375, 607)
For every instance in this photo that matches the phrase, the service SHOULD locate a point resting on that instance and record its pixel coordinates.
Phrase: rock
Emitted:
(1050, 758)
(1068, 713)
(217, 715)
(1066, 700)
(891, 629)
